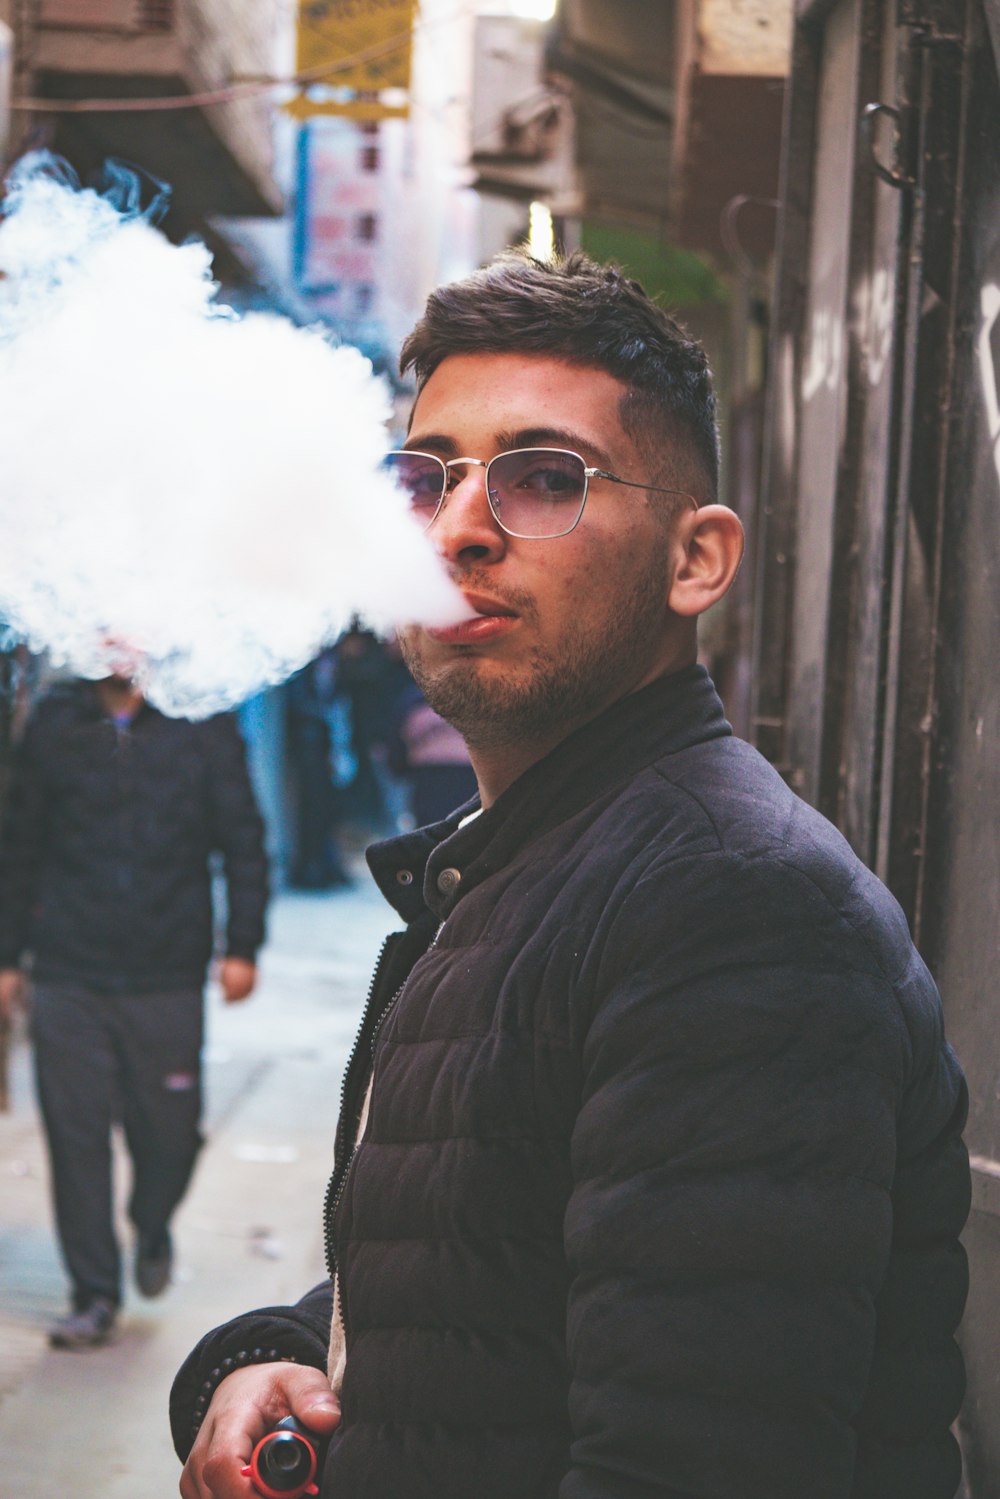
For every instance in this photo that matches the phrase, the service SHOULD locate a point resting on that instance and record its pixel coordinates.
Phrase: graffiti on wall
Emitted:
(876, 307)
(826, 353)
(874, 318)
(989, 305)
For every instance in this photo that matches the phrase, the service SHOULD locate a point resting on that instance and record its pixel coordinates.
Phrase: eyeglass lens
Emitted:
(536, 492)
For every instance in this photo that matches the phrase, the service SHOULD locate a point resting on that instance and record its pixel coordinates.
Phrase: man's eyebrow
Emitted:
(524, 437)
(553, 437)
(432, 442)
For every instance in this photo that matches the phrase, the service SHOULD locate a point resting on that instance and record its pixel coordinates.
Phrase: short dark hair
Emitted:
(575, 309)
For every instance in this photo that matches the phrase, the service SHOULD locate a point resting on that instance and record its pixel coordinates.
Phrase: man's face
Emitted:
(559, 628)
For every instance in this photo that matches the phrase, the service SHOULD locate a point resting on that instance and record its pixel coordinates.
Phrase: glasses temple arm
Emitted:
(602, 473)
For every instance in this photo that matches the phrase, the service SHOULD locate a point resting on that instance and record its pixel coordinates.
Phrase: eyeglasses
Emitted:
(534, 493)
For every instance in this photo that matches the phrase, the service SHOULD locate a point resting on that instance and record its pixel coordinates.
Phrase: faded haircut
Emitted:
(593, 315)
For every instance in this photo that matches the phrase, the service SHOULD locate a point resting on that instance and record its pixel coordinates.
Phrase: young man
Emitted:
(649, 1175)
(104, 880)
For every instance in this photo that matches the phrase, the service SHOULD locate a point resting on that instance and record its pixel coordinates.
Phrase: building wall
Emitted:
(89, 48)
(17, 77)
(224, 41)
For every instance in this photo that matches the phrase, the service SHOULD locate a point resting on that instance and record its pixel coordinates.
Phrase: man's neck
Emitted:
(498, 766)
(499, 760)
(119, 697)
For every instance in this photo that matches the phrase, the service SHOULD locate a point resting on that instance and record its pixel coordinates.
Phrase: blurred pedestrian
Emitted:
(113, 816)
(373, 677)
(318, 733)
(433, 757)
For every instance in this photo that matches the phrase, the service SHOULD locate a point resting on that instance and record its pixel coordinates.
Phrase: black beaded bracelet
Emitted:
(239, 1360)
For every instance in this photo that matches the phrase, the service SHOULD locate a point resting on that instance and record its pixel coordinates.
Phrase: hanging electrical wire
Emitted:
(244, 89)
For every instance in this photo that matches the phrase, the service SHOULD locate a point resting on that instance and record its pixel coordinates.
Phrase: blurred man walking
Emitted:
(105, 885)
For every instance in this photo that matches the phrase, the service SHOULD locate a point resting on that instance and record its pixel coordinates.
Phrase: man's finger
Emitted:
(320, 1413)
(223, 1473)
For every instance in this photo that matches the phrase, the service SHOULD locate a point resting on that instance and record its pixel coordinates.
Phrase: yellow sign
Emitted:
(373, 108)
(362, 45)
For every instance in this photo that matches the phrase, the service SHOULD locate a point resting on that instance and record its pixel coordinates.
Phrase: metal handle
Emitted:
(866, 125)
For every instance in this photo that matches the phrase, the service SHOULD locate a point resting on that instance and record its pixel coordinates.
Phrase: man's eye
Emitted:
(550, 481)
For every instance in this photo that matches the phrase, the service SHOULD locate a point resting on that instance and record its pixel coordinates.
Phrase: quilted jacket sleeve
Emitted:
(238, 832)
(22, 844)
(732, 1234)
(300, 1332)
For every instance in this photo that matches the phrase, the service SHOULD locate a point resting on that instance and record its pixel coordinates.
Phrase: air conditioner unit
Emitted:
(512, 108)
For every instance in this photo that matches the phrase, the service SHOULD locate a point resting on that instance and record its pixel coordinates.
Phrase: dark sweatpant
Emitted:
(103, 1057)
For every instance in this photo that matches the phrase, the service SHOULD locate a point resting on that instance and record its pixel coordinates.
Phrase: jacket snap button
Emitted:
(404, 876)
(447, 880)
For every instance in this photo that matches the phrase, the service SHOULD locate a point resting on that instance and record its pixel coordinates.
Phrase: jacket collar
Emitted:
(417, 871)
(83, 694)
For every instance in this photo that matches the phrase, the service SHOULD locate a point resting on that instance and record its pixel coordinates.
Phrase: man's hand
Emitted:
(237, 977)
(247, 1405)
(12, 992)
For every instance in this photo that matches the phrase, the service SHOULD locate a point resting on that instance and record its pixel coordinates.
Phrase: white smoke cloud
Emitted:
(180, 488)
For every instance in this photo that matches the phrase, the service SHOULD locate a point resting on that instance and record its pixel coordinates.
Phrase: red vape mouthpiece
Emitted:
(285, 1462)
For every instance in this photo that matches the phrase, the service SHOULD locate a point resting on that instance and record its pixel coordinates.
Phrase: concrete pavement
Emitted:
(93, 1425)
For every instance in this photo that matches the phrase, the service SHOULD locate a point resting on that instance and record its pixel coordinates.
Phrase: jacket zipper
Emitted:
(339, 1172)
(338, 1178)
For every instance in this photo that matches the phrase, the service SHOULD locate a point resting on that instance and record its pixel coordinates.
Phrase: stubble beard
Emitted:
(557, 688)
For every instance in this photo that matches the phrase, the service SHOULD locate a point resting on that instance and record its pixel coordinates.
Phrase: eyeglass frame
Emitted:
(486, 463)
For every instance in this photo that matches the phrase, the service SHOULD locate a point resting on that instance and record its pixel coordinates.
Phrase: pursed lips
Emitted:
(482, 605)
(488, 620)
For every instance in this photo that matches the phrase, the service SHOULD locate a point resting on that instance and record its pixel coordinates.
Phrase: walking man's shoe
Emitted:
(154, 1261)
(88, 1328)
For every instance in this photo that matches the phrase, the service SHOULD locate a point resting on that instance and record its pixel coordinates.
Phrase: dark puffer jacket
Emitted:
(662, 1181)
(104, 862)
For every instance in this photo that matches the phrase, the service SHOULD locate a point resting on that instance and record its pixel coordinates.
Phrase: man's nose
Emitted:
(465, 528)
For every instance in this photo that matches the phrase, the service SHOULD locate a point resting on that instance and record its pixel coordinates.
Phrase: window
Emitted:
(367, 227)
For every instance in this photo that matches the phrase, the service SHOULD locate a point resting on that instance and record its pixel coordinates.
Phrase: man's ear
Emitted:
(710, 540)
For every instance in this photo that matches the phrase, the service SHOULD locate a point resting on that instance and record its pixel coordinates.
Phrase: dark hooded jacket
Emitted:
(662, 1181)
(105, 858)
